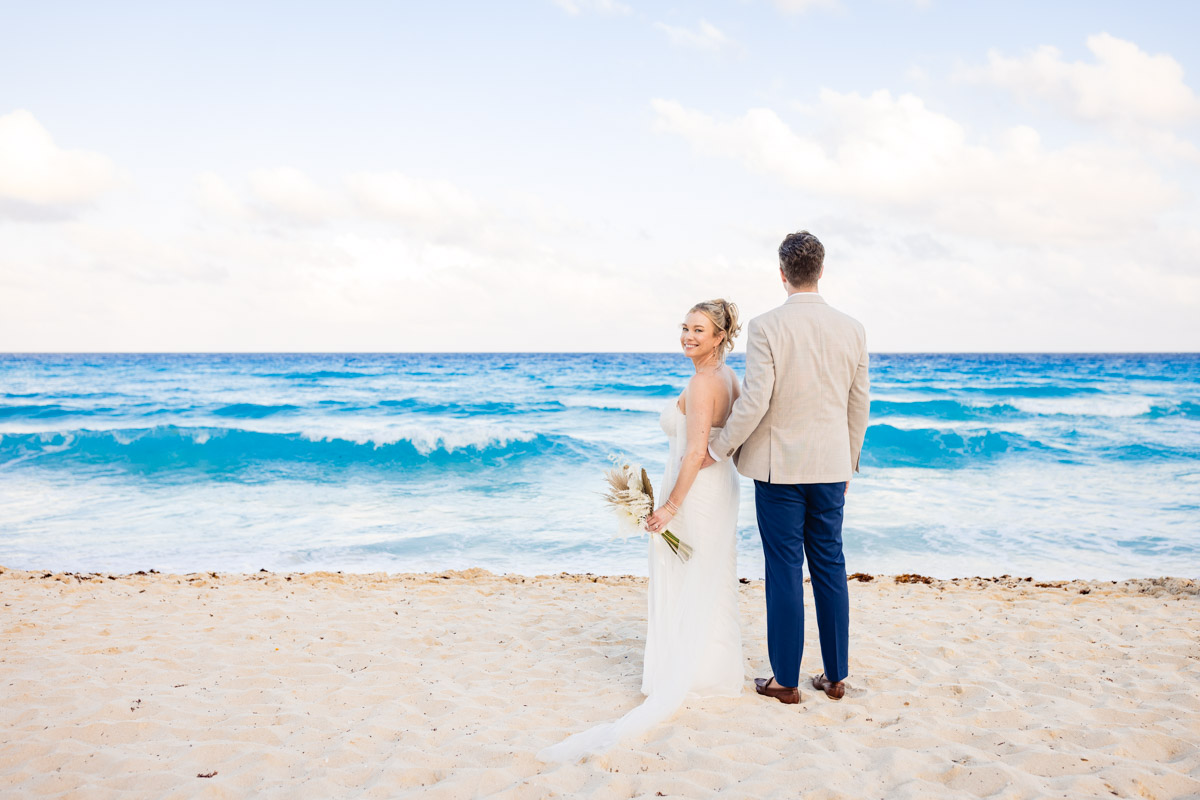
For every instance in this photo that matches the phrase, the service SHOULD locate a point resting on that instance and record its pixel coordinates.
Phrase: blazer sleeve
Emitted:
(757, 387)
(858, 410)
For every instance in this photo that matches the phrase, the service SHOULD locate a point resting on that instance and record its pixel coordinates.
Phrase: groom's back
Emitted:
(816, 419)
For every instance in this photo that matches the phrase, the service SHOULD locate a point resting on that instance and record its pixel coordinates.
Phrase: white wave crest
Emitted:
(447, 438)
(1083, 406)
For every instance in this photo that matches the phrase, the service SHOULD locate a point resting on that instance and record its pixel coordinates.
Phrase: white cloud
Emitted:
(40, 179)
(1123, 84)
(897, 155)
(431, 206)
(1164, 143)
(139, 256)
(917, 74)
(576, 7)
(288, 192)
(800, 6)
(441, 213)
(706, 36)
(216, 196)
(428, 211)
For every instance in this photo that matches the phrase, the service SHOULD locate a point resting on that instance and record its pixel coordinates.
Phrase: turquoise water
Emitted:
(1045, 465)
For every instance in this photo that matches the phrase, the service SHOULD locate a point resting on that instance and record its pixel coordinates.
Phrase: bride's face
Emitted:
(698, 337)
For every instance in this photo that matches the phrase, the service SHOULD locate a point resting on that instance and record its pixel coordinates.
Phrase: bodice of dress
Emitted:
(674, 424)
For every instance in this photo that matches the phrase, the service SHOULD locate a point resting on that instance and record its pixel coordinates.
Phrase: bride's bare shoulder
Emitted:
(705, 390)
(705, 383)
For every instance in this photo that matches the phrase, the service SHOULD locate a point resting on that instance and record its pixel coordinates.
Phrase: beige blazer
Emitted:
(803, 411)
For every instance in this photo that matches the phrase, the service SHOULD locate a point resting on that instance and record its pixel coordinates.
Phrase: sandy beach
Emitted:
(445, 685)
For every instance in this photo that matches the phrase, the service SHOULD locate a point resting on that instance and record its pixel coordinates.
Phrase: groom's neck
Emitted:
(791, 290)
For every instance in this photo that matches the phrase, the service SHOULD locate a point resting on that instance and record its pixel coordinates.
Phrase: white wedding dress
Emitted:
(693, 641)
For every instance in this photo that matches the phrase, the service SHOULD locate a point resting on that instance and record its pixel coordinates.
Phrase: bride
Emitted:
(693, 643)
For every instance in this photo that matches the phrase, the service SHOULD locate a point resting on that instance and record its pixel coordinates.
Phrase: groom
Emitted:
(799, 424)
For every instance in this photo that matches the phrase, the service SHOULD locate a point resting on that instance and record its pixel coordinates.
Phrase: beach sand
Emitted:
(330, 685)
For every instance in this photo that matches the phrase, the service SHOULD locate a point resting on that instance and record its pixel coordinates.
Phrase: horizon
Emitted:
(572, 353)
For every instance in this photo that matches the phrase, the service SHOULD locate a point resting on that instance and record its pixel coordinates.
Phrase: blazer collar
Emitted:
(805, 297)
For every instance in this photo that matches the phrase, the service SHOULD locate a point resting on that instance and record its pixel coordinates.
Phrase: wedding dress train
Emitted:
(693, 641)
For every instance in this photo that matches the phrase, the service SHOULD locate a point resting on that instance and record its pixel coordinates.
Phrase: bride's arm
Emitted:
(702, 395)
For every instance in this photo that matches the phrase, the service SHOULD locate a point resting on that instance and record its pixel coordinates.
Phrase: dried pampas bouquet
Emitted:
(632, 498)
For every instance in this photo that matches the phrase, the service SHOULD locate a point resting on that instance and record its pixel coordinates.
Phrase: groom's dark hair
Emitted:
(800, 257)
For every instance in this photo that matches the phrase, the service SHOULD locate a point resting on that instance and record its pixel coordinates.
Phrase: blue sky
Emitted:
(573, 174)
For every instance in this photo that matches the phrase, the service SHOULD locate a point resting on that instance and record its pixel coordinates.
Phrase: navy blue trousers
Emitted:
(795, 520)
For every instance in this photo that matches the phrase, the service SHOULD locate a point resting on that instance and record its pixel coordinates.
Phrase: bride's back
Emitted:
(724, 400)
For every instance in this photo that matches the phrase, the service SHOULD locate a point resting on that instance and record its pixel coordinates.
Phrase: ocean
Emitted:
(1051, 466)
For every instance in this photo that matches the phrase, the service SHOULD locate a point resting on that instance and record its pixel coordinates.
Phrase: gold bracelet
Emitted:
(674, 509)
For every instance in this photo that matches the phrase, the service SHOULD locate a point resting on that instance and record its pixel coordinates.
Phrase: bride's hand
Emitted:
(657, 522)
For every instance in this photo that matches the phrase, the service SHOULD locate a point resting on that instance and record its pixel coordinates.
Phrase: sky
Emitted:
(572, 175)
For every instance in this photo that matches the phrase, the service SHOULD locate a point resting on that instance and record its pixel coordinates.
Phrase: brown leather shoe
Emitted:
(834, 690)
(783, 694)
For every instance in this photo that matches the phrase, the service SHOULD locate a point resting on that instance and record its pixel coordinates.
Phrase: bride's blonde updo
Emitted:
(724, 316)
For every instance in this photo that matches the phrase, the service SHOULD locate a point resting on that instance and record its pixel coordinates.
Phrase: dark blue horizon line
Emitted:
(569, 353)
